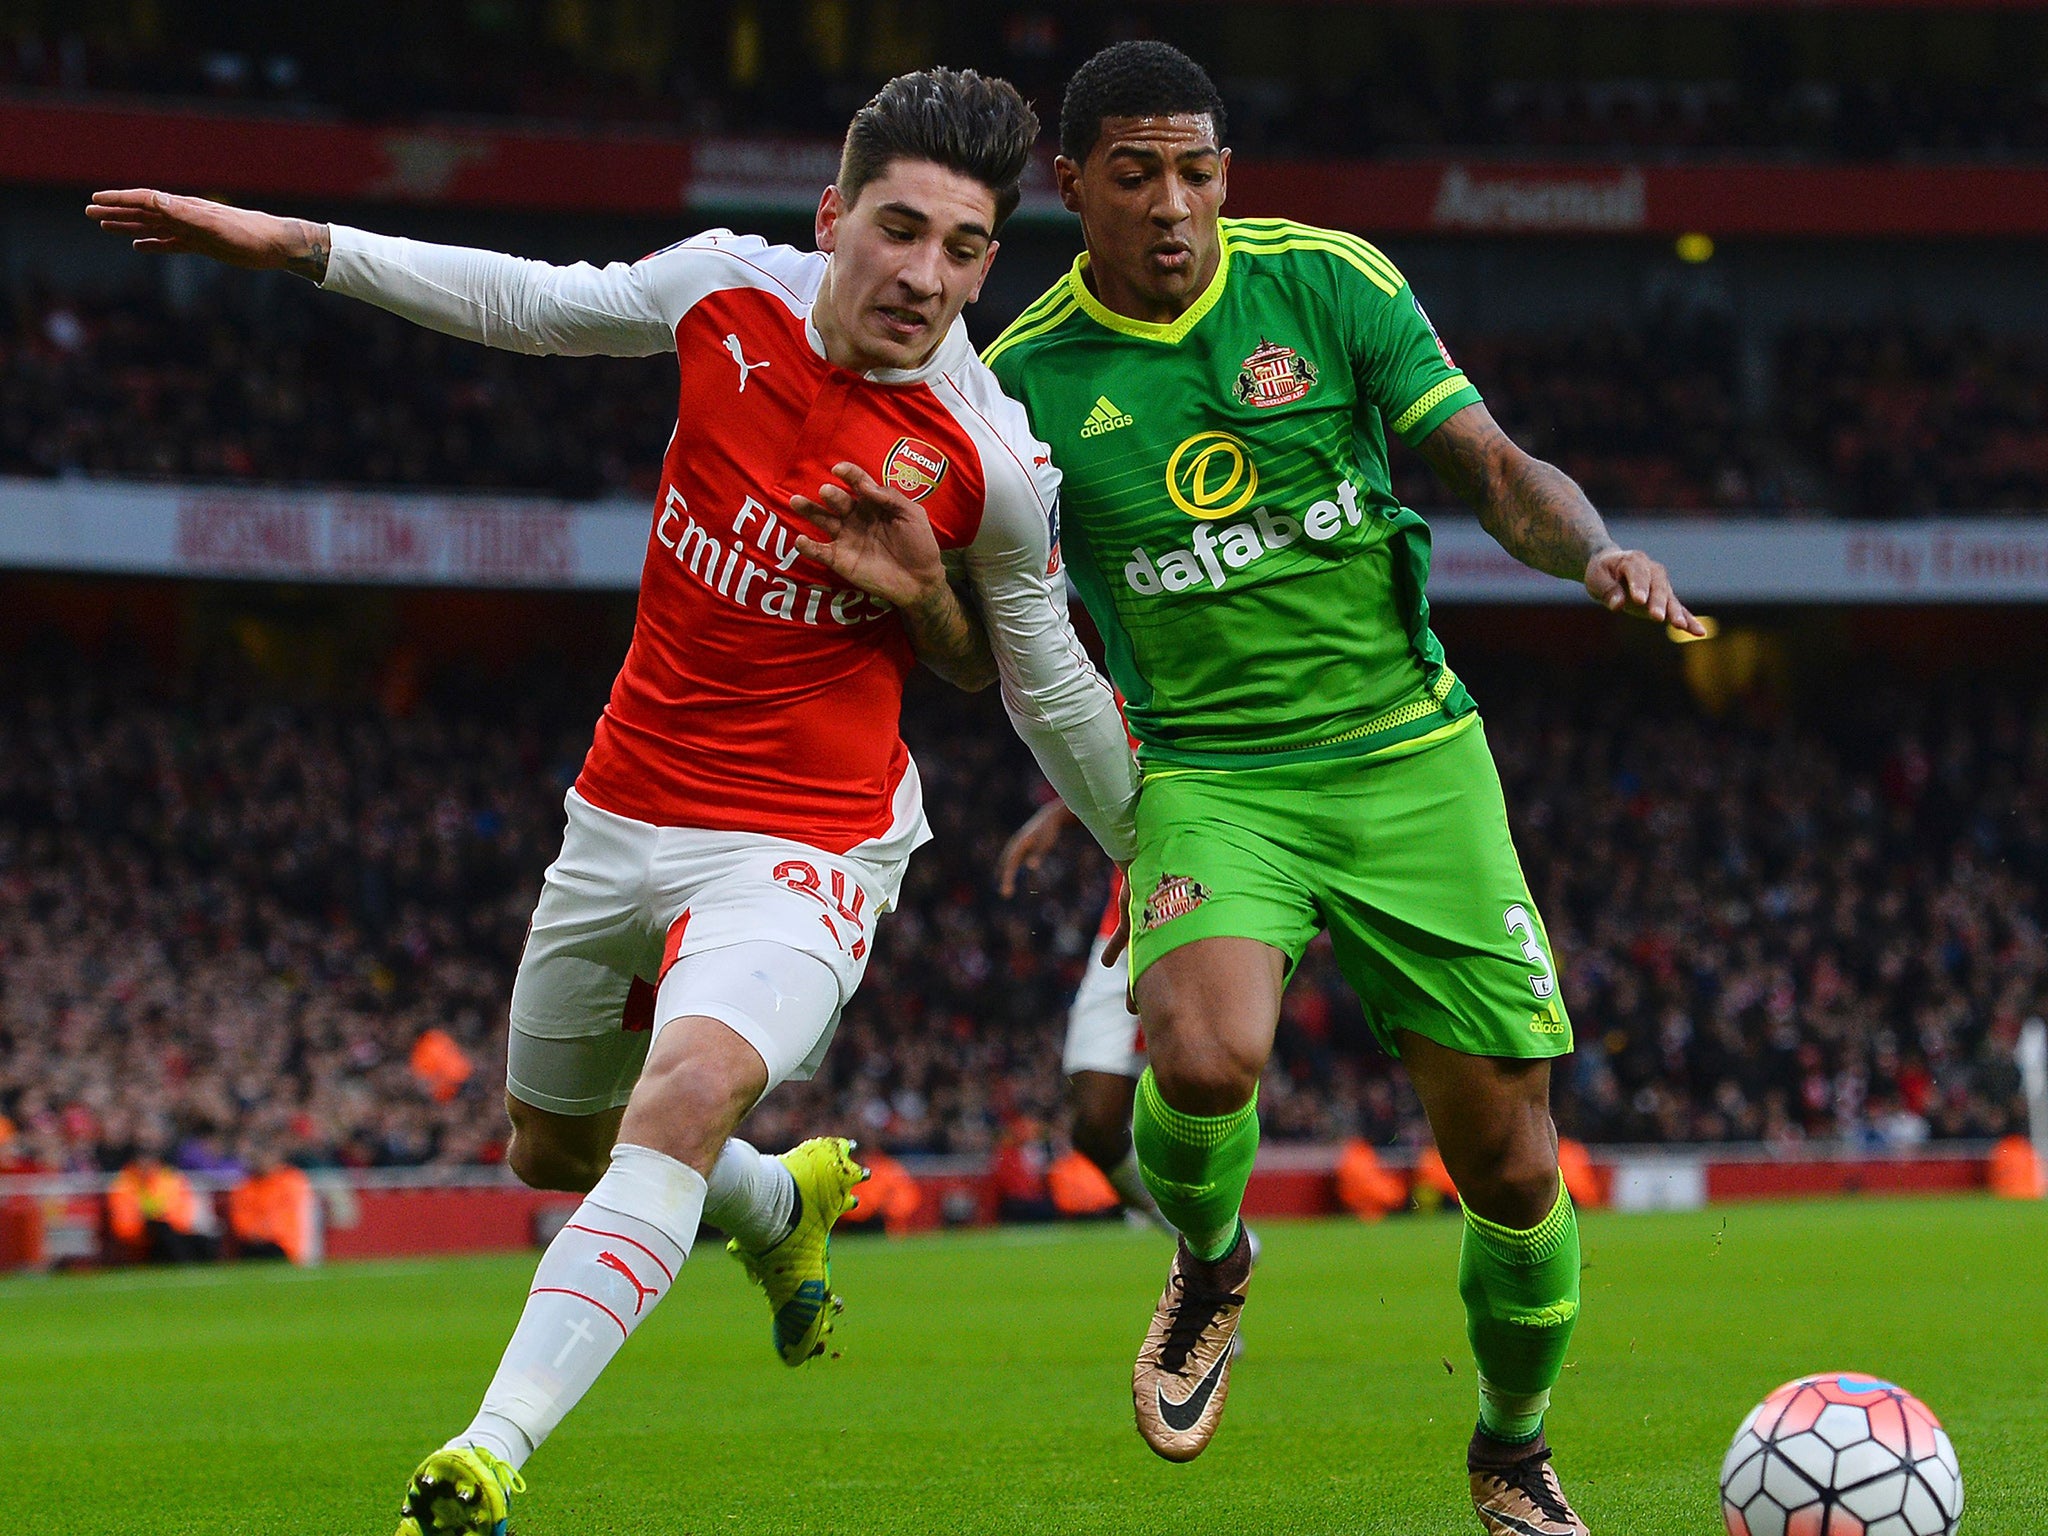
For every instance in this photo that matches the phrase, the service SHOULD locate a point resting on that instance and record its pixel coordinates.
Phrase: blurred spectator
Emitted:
(2016, 1171)
(14, 1154)
(441, 1064)
(1019, 1170)
(1580, 1180)
(1365, 1186)
(1433, 1187)
(271, 1213)
(1078, 1189)
(889, 1199)
(1906, 421)
(227, 920)
(1644, 415)
(1792, 923)
(271, 383)
(154, 1214)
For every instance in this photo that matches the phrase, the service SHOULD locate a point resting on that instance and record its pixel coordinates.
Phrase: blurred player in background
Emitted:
(1104, 1053)
(746, 810)
(1218, 394)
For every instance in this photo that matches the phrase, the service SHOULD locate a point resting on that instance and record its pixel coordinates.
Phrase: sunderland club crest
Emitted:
(1174, 896)
(1274, 375)
(913, 467)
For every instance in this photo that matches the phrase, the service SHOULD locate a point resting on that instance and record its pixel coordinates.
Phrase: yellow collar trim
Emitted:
(1170, 332)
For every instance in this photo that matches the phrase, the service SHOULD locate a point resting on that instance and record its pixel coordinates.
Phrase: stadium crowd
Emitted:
(1645, 415)
(1337, 83)
(275, 387)
(266, 383)
(1908, 421)
(235, 927)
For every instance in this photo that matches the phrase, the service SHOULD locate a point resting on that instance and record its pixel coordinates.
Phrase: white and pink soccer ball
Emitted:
(1841, 1455)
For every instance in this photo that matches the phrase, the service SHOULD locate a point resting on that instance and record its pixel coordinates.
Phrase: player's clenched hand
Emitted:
(166, 223)
(877, 539)
(1629, 581)
(1030, 843)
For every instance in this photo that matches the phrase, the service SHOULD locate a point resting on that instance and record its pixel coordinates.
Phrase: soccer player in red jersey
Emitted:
(746, 810)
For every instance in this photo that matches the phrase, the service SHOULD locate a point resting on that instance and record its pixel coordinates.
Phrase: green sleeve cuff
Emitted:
(1433, 407)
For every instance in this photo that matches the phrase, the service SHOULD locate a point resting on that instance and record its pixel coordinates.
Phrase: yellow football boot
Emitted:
(460, 1492)
(797, 1271)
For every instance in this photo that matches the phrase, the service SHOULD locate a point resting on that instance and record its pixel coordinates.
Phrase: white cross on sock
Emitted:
(604, 1271)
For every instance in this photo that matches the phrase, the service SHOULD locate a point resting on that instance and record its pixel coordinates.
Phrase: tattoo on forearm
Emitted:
(310, 261)
(949, 638)
(1535, 510)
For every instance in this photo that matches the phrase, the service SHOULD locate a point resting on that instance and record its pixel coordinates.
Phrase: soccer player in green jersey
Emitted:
(1218, 394)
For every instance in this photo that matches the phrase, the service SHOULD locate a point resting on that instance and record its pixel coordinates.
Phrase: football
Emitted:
(1841, 1455)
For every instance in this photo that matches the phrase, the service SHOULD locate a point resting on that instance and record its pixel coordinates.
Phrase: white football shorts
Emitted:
(638, 925)
(1102, 1034)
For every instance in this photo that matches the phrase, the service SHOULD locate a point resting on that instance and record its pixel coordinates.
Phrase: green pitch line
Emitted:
(985, 1383)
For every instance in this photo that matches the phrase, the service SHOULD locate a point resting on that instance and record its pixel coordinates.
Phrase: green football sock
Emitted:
(1195, 1165)
(1521, 1293)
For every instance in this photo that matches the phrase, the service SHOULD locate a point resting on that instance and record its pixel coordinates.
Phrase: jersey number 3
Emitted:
(1519, 921)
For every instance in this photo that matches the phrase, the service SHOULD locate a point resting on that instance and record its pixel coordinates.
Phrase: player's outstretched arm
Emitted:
(881, 541)
(1539, 515)
(484, 296)
(166, 224)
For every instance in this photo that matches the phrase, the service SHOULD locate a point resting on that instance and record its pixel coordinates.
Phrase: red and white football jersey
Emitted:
(760, 693)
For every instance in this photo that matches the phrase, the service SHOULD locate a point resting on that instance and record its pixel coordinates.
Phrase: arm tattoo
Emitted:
(310, 260)
(947, 633)
(1534, 510)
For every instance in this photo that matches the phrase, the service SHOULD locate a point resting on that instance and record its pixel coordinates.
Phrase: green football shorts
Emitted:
(1406, 860)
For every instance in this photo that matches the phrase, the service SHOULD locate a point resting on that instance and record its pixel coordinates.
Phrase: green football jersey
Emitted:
(1226, 510)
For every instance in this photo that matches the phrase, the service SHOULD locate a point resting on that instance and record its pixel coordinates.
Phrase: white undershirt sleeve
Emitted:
(504, 301)
(1061, 706)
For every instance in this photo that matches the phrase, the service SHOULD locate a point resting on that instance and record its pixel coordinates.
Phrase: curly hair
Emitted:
(968, 122)
(1140, 79)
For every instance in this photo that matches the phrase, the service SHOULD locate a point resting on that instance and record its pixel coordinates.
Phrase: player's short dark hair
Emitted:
(1137, 79)
(968, 122)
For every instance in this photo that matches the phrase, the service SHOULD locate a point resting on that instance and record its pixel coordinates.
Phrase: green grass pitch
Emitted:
(984, 1385)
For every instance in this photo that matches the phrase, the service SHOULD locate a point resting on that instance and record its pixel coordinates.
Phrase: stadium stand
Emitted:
(228, 917)
(281, 388)
(1853, 85)
(1644, 416)
(265, 383)
(1905, 421)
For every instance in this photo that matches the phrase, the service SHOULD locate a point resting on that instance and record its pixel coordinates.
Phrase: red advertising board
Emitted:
(94, 147)
(88, 147)
(1501, 198)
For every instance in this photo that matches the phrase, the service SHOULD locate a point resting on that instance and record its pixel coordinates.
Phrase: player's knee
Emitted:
(540, 1165)
(550, 1151)
(1214, 1078)
(1517, 1185)
(686, 1112)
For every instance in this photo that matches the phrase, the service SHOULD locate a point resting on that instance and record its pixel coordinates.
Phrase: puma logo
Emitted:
(612, 1261)
(1186, 1414)
(732, 345)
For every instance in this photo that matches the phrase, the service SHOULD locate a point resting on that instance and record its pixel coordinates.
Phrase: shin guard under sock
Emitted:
(1521, 1292)
(1195, 1165)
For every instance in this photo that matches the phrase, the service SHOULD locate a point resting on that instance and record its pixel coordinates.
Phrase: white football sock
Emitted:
(1129, 1185)
(751, 1197)
(601, 1275)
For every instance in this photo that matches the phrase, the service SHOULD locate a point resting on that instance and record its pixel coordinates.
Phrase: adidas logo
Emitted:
(1105, 417)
